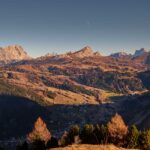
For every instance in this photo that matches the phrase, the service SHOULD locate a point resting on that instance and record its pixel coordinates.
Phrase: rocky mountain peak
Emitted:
(84, 52)
(119, 55)
(140, 52)
(48, 55)
(86, 49)
(144, 49)
(13, 53)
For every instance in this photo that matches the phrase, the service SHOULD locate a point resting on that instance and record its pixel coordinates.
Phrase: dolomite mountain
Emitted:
(84, 52)
(140, 52)
(120, 55)
(12, 54)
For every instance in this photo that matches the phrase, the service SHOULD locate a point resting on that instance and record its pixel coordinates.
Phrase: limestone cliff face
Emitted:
(13, 53)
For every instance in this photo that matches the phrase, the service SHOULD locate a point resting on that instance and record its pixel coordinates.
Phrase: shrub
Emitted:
(50, 94)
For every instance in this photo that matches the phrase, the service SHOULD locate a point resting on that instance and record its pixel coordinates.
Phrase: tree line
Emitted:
(114, 132)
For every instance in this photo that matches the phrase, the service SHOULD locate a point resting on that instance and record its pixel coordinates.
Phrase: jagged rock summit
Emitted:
(85, 52)
(140, 52)
(119, 55)
(13, 53)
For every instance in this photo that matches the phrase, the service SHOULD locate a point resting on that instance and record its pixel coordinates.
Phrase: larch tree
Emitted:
(39, 132)
(117, 130)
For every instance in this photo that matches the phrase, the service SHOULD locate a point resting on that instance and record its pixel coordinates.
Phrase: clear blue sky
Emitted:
(43, 26)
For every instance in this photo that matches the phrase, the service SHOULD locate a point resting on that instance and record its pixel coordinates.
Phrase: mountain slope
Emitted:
(74, 90)
(20, 113)
(135, 110)
(17, 115)
(81, 77)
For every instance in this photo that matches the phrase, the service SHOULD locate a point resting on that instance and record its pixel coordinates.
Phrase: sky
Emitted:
(58, 26)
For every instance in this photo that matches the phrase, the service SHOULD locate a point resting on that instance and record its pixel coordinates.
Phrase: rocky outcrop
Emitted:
(84, 52)
(13, 53)
(140, 52)
(120, 55)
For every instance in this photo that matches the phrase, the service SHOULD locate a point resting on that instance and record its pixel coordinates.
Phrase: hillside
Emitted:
(80, 77)
(134, 110)
(17, 115)
(73, 88)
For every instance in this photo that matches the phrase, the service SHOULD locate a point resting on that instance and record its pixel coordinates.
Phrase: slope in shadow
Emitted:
(18, 114)
(136, 110)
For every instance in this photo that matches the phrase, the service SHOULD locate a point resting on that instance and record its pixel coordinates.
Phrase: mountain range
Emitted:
(16, 53)
(61, 87)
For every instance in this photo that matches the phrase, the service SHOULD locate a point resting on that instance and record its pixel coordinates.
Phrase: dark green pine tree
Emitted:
(101, 134)
(132, 137)
(74, 131)
(87, 134)
(104, 134)
(97, 133)
(144, 140)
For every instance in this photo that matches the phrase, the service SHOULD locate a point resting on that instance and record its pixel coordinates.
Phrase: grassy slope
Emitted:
(90, 147)
(9, 89)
